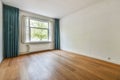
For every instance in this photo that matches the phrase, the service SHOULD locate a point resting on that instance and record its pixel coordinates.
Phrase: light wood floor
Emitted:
(57, 65)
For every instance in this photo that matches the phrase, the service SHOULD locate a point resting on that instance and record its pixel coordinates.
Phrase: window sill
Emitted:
(41, 42)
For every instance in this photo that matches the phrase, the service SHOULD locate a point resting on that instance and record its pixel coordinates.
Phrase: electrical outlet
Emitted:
(109, 58)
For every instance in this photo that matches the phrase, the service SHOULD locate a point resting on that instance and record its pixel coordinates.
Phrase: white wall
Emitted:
(1, 38)
(94, 31)
(38, 46)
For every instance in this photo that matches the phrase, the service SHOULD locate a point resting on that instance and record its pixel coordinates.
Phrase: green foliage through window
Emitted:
(39, 30)
(36, 30)
(39, 34)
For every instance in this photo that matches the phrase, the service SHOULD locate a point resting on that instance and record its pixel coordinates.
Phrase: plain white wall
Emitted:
(1, 38)
(37, 46)
(94, 31)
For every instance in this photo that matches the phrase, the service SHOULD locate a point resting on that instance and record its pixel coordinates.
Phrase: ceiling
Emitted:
(50, 8)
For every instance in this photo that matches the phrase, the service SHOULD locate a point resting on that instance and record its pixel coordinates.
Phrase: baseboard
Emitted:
(34, 52)
(1, 60)
(101, 60)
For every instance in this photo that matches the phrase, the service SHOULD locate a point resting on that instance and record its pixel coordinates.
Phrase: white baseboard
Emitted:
(1, 60)
(79, 53)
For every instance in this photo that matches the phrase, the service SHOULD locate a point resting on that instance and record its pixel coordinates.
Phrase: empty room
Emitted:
(59, 39)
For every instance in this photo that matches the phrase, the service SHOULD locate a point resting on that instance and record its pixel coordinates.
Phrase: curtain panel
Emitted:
(10, 31)
(57, 34)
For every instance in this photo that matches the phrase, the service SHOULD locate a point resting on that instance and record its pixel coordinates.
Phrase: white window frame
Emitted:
(24, 30)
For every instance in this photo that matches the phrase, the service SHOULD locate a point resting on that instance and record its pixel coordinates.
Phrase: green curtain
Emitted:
(10, 31)
(57, 34)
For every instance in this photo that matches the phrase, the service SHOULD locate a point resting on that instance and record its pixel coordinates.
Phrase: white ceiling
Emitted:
(50, 8)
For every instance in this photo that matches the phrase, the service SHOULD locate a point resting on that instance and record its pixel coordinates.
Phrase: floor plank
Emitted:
(57, 65)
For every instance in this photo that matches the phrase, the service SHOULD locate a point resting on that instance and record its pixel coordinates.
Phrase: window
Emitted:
(36, 30)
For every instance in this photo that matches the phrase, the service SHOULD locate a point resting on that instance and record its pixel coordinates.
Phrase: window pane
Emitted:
(39, 34)
(38, 24)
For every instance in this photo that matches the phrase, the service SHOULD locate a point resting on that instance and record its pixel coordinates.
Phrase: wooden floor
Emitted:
(57, 65)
